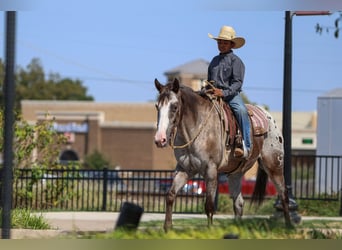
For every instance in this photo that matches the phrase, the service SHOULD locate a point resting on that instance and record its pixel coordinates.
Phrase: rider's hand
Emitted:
(216, 92)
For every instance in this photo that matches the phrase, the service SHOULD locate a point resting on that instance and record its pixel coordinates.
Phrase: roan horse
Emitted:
(192, 126)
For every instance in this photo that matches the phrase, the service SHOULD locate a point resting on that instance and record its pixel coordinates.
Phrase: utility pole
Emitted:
(9, 95)
(287, 110)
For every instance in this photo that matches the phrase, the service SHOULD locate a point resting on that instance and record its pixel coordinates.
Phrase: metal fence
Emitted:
(317, 177)
(99, 190)
(313, 177)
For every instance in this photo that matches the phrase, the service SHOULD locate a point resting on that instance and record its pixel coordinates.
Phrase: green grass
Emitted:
(256, 228)
(24, 219)
(247, 228)
(305, 207)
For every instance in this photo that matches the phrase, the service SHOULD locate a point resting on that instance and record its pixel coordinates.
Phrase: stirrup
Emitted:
(241, 152)
(238, 153)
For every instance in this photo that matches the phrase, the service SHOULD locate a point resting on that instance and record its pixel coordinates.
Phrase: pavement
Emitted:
(66, 223)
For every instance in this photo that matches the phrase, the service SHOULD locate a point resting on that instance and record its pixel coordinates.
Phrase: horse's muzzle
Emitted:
(160, 143)
(160, 140)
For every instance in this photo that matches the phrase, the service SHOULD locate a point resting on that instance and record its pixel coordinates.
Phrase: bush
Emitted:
(96, 160)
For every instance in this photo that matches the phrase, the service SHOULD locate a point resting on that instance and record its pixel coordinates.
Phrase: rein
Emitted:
(194, 138)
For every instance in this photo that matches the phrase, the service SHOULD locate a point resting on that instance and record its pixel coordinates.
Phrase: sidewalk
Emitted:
(63, 223)
(103, 221)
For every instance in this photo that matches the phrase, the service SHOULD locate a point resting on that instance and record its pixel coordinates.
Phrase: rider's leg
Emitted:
(241, 114)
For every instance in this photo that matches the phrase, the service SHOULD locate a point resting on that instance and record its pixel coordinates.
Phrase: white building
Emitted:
(329, 142)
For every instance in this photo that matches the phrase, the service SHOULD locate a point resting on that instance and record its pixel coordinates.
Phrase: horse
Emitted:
(191, 124)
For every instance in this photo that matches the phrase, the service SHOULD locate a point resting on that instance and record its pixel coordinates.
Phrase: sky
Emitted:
(118, 48)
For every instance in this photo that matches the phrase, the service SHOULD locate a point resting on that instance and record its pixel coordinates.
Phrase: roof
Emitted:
(195, 67)
(128, 112)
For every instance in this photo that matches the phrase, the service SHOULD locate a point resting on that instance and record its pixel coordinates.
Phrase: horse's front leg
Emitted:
(211, 186)
(178, 182)
(234, 183)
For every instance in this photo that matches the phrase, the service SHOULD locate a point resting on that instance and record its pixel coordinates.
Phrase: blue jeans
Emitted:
(240, 111)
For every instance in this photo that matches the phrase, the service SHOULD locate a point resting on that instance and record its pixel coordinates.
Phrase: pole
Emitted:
(287, 122)
(287, 108)
(287, 101)
(9, 96)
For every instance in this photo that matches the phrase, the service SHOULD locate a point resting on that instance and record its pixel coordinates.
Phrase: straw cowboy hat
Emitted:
(228, 33)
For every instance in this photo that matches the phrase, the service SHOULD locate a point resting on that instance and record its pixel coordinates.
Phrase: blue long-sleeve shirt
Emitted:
(227, 71)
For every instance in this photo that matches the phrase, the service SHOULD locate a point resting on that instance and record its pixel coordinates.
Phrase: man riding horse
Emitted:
(226, 73)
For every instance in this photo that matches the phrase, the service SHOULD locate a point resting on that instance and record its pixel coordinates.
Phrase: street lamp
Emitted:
(9, 95)
(287, 107)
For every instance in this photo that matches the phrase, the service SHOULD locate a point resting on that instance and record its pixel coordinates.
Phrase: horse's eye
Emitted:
(174, 107)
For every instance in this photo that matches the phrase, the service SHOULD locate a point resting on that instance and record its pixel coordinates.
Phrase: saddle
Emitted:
(257, 118)
(258, 122)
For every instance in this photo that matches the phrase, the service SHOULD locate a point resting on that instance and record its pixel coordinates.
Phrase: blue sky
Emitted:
(117, 48)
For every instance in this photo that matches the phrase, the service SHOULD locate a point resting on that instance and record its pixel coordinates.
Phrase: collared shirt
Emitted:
(227, 70)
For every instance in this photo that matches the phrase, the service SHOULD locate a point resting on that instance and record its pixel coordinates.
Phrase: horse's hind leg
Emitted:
(234, 182)
(279, 182)
(273, 165)
(178, 182)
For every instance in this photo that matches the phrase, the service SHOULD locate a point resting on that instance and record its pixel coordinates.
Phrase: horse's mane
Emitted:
(192, 96)
(189, 96)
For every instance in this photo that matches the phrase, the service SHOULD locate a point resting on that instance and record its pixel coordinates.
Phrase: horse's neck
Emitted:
(194, 112)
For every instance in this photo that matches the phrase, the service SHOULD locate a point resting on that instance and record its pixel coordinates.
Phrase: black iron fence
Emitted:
(313, 177)
(100, 190)
(317, 177)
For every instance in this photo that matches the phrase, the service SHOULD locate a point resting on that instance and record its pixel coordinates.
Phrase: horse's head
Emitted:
(168, 111)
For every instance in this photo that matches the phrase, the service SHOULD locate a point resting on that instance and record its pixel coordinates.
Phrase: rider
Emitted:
(226, 71)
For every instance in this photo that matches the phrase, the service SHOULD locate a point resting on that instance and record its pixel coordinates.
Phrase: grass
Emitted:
(247, 228)
(24, 219)
(305, 207)
(255, 228)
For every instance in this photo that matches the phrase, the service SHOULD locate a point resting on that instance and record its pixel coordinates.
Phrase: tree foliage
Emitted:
(37, 147)
(34, 145)
(336, 28)
(32, 84)
(96, 160)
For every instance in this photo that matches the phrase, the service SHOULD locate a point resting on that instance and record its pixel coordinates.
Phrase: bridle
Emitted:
(174, 132)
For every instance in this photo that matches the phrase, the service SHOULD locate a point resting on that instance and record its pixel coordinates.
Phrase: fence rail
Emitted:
(103, 190)
(317, 177)
(313, 177)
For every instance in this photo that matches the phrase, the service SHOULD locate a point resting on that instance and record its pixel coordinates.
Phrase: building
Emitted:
(329, 139)
(191, 73)
(124, 132)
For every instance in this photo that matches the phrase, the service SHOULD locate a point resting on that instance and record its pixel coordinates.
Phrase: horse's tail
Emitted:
(260, 185)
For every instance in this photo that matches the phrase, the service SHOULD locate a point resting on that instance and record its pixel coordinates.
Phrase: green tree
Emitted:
(33, 84)
(246, 100)
(37, 147)
(336, 28)
(96, 160)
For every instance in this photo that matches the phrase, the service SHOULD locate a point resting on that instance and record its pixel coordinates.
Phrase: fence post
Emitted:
(104, 192)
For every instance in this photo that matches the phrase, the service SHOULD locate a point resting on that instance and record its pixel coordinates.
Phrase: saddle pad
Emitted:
(258, 118)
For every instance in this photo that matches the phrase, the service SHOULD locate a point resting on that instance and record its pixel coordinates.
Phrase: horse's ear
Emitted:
(175, 85)
(158, 85)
